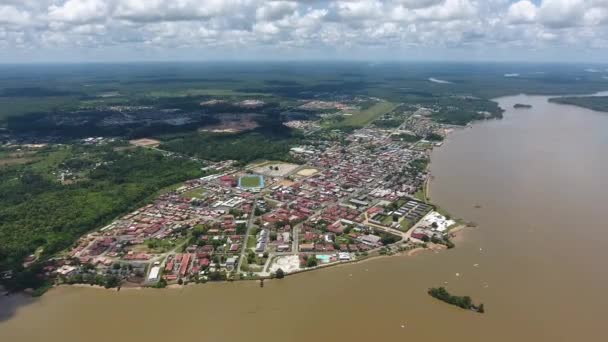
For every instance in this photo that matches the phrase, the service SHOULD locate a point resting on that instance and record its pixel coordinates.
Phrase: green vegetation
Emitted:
(251, 181)
(405, 225)
(311, 261)
(243, 147)
(196, 193)
(159, 245)
(387, 238)
(464, 302)
(60, 103)
(598, 103)
(38, 211)
(419, 165)
(434, 137)
(10, 106)
(462, 110)
(107, 281)
(420, 195)
(251, 241)
(363, 117)
(405, 137)
(201, 92)
(521, 105)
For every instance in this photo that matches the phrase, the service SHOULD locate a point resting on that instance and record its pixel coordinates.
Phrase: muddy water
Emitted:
(541, 246)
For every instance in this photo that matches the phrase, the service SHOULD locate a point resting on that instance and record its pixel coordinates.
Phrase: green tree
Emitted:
(311, 261)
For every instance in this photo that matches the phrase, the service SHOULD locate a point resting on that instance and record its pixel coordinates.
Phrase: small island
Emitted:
(464, 302)
(522, 106)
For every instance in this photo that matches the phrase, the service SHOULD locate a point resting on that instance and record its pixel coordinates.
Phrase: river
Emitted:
(536, 259)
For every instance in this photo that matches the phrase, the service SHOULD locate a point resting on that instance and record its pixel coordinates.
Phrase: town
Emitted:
(343, 199)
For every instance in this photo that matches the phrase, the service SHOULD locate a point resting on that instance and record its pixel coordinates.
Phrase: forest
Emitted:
(267, 142)
(38, 214)
(598, 103)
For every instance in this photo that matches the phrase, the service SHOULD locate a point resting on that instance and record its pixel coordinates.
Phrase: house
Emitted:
(66, 270)
(184, 266)
(343, 256)
(231, 263)
(154, 273)
(283, 248)
(260, 246)
(204, 263)
(370, 240)
(307, 247)
(419, 234)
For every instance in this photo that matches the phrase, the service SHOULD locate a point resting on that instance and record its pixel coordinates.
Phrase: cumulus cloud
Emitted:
(522, 12)
(10, 15)
(81, 11)
(319, 25)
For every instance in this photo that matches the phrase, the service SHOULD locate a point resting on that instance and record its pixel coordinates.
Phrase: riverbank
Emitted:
(529, 209)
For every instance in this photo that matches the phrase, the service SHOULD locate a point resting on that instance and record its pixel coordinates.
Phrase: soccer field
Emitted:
(251, 182)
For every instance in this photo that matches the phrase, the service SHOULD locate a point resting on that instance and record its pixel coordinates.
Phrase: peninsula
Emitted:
(339, 196)
(598, 103)
(339, 199)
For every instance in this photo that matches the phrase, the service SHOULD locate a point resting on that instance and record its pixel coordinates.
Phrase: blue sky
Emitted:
(199, 30)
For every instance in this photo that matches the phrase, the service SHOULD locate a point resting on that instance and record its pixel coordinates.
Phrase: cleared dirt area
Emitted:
(233, 123)
(288, 264)
(145, 142)
(286, 182)
(307, 172)
(275, 169)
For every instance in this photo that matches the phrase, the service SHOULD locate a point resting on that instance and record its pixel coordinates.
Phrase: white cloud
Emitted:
(562, 13)
(522, 12)
(10, 15)
(276, 10)
(310, 25)
(79, 11)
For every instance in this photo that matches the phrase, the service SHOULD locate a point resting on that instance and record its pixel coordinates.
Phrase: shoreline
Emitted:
(452, 233)
(435, 248)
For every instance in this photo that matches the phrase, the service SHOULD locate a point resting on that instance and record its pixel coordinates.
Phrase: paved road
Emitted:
(246, 239)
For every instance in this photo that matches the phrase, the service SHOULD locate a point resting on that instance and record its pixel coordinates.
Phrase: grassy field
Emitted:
(251, 242)
(193, 193)
(364, 117)
(251, 182)
(405, 225)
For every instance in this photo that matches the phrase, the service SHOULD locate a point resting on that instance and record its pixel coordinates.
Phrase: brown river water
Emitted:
(540, 251)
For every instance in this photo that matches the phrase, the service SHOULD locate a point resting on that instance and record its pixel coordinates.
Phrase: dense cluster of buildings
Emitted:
(348, 197)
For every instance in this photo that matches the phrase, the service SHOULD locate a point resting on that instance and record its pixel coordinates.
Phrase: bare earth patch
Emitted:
(288, 264)
(145, 142)
(307, 172)
(275, 169)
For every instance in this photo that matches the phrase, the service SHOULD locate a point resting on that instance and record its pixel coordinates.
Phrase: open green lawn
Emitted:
(251, 182)
(405, 225)
(364, 117)
(193, 193)
(251, 241)
(387, 221)
(420, 195)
